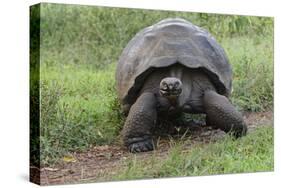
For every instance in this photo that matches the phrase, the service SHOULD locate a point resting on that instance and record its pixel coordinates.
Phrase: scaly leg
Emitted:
(141, 119)
(223, 115)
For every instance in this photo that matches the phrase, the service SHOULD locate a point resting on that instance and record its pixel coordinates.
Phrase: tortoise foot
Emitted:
(140, 144)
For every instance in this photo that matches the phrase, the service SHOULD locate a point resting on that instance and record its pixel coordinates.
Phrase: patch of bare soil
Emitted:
(100, 161)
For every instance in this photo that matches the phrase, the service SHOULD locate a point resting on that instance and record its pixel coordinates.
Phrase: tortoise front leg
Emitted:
(223, 115)
(137, 130)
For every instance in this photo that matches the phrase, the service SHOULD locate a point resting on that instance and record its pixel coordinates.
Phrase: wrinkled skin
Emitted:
(169, 92)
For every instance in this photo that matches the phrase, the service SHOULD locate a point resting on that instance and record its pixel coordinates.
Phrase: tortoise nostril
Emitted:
(171, 86)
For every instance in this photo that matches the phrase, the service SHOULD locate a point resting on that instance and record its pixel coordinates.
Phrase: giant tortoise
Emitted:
(170, 68)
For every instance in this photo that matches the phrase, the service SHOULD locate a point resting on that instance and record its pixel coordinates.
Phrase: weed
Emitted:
(80, 46)
(253, 153)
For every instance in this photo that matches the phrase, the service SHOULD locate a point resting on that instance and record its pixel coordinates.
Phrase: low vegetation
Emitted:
(79, 49)
(253, 153)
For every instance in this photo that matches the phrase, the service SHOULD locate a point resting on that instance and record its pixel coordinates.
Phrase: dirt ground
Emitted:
(101, 161)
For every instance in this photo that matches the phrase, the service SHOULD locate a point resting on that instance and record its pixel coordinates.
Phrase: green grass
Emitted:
(252, 62)
(79, 49)
(79, 108)
(253, 153)
(79, 101)
(96, 35)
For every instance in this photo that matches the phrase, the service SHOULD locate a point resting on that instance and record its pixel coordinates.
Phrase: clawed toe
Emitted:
(141, 146)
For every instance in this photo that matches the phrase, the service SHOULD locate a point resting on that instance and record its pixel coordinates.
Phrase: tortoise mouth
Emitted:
(170, 93)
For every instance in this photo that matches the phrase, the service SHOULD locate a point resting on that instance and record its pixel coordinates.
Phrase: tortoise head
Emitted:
(170, 87)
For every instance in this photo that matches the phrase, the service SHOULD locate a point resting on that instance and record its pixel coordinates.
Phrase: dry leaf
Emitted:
(69, 159)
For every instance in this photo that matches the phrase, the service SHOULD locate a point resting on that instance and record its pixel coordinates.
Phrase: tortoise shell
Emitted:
(168, 42)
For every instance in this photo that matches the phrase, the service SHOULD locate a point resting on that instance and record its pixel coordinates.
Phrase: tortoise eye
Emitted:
(165, 85)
